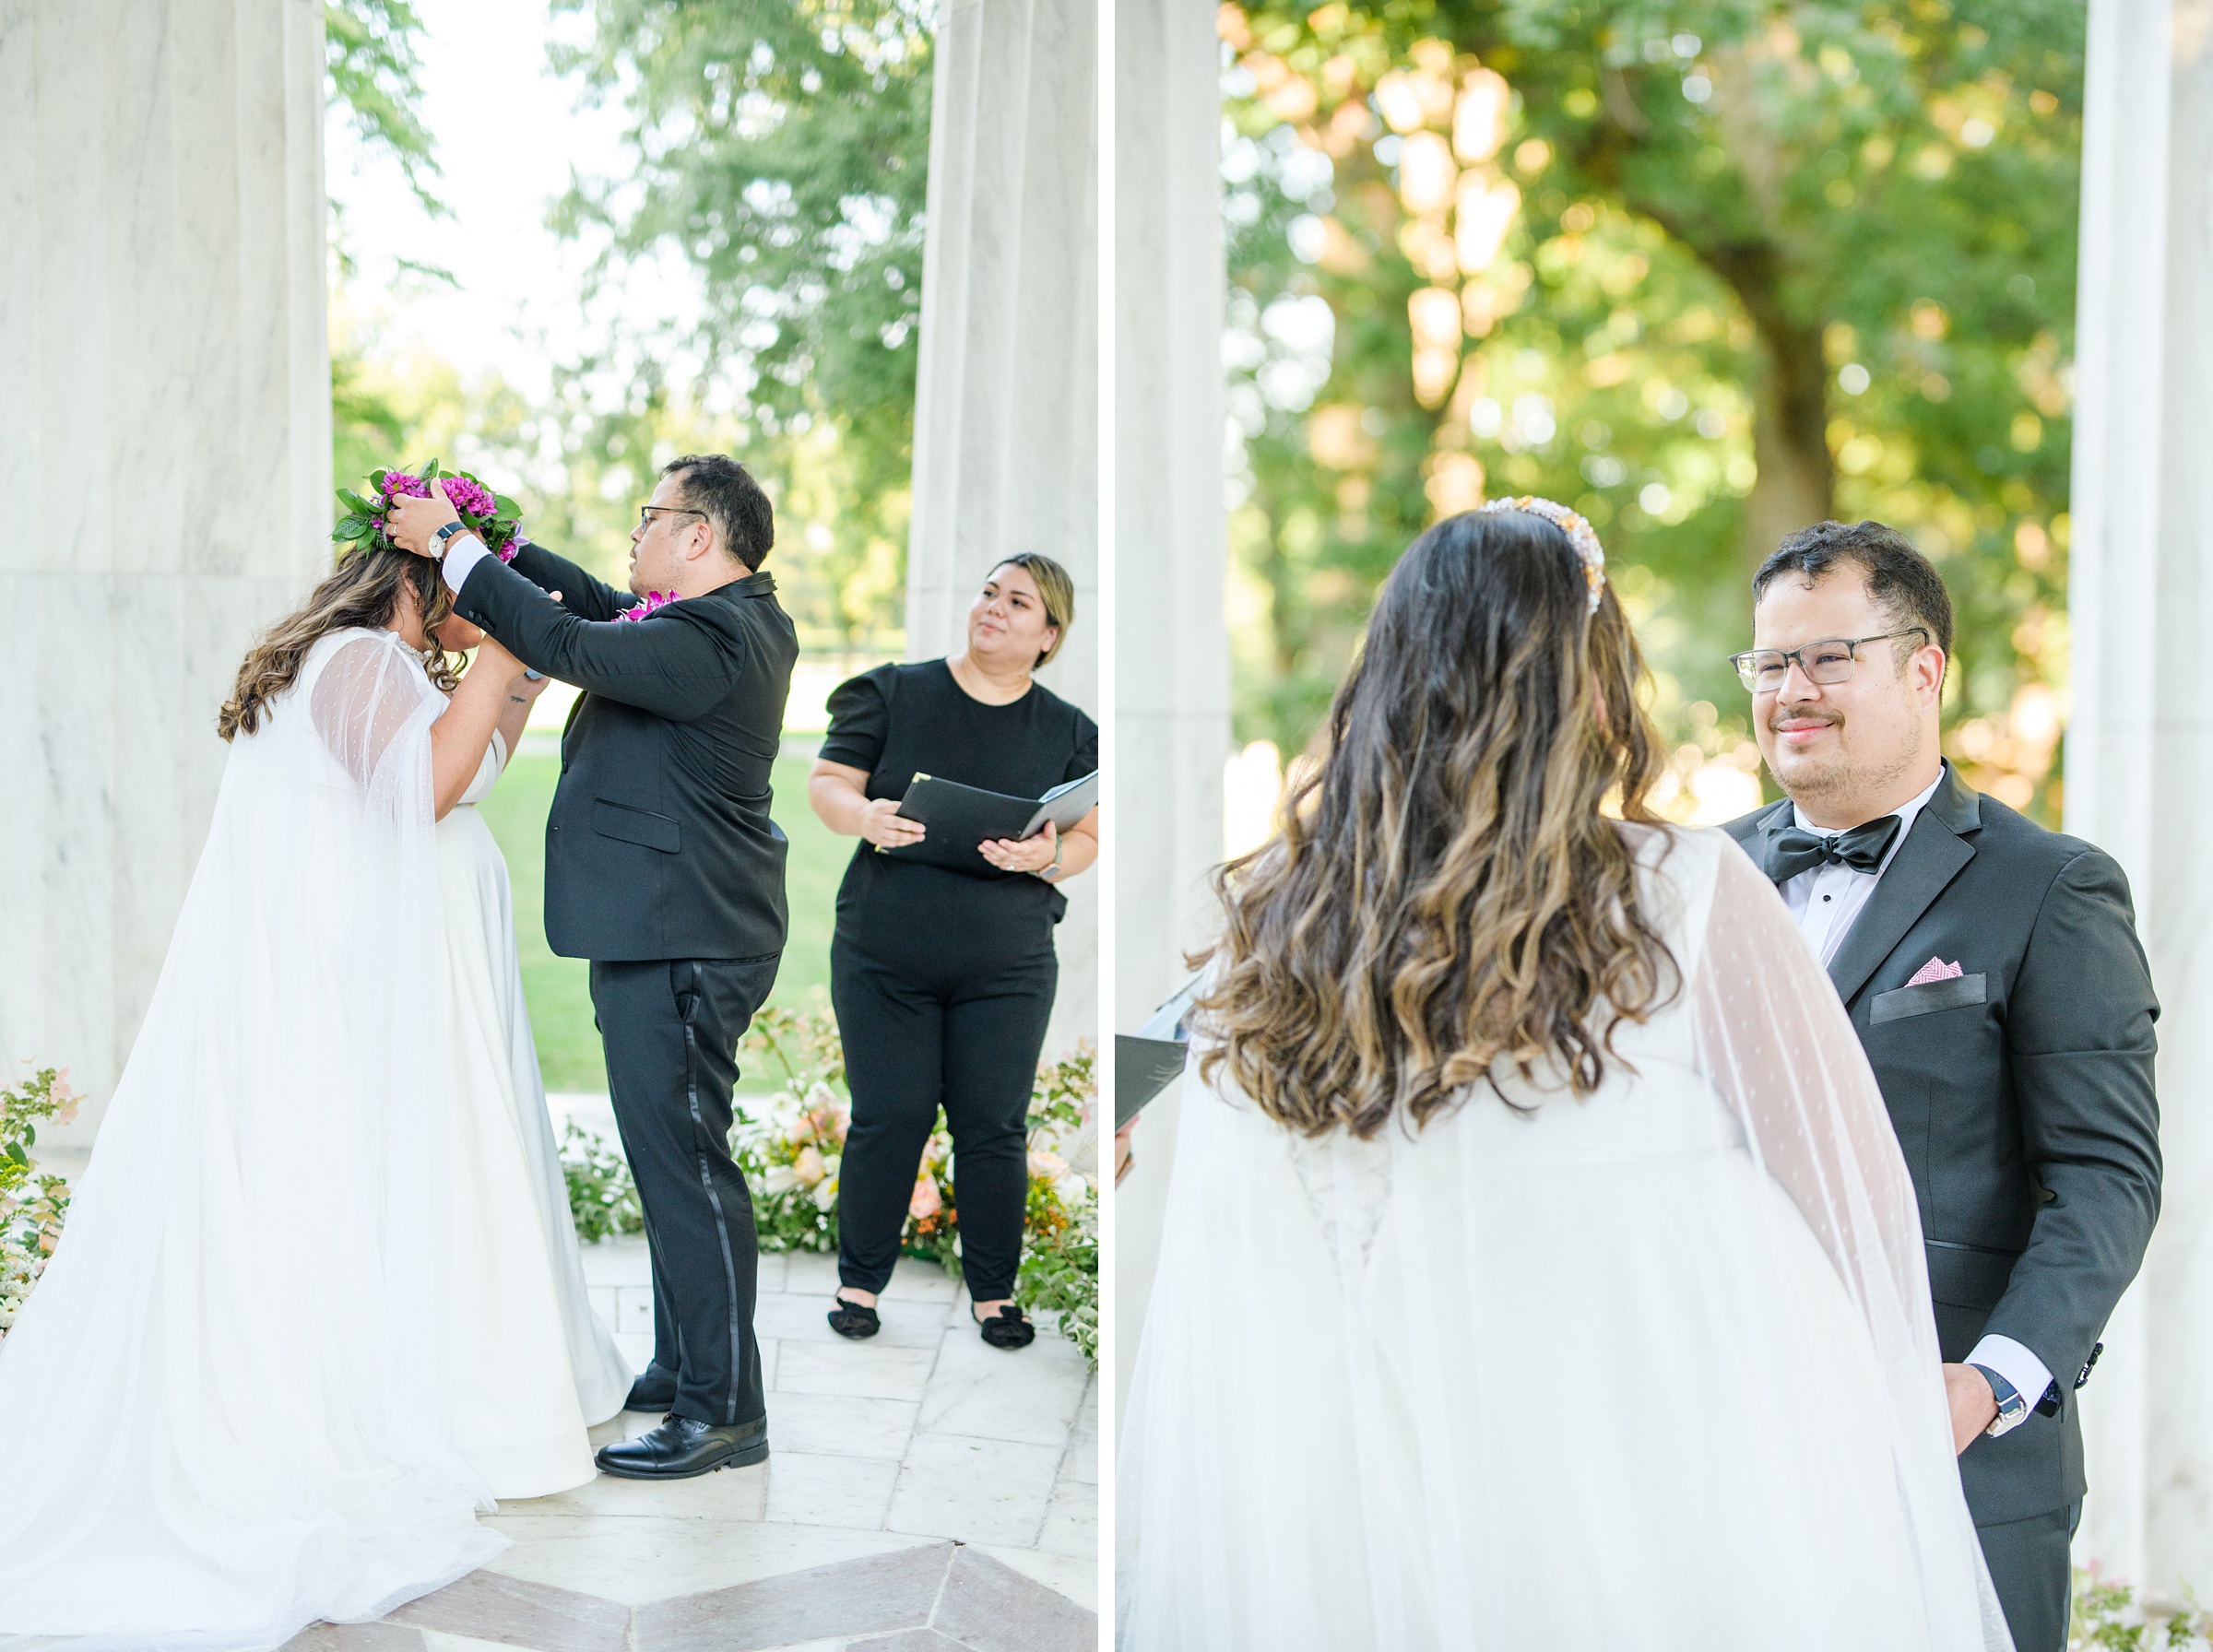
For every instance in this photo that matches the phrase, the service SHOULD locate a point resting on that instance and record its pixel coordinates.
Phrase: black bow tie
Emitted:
(1791, 851)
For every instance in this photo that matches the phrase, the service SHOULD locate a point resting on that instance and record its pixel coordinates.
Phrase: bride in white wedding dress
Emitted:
(249, 1392)
(533, 1366)
(1539, 1271)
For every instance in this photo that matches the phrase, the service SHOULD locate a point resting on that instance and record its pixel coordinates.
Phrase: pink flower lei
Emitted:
(493, 517)
(652, 603)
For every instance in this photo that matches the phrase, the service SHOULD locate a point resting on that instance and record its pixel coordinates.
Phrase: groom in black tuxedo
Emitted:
(664, 869)
(1992, 972)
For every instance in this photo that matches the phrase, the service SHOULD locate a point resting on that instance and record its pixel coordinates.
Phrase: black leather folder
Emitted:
(958, 817)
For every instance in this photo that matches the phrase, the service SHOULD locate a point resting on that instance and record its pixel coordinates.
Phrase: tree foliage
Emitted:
(782, 149)
(374, 70)
(1761, 263)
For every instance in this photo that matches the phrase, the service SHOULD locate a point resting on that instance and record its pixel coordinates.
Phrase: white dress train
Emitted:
(1656, 1368)
(230, 1408)
(534, 1365)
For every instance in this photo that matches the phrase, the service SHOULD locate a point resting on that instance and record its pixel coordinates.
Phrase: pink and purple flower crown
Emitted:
(493, 517)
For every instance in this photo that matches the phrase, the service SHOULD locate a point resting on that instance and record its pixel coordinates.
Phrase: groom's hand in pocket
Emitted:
(1974, 1408)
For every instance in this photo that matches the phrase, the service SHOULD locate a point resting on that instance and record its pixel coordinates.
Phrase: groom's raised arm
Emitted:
(671, 666)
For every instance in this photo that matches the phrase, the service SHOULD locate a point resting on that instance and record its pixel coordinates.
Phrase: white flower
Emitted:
(780, 1178)
(825, 1193)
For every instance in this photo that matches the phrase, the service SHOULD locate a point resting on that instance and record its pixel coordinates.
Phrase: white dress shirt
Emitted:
(1827, 902)
(461, 559)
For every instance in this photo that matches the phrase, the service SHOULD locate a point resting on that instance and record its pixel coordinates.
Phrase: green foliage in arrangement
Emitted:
(2109, 1617)
(602, 1197)
(782, 149)
(32, 1205)
(1761, 263)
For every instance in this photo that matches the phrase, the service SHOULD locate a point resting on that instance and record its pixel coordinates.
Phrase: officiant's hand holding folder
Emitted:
(957, 819)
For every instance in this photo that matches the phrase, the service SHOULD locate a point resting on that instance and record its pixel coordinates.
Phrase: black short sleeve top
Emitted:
(900, 720)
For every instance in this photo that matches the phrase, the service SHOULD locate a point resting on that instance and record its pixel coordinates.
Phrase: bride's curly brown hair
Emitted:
(1445, 893)
(363, 590)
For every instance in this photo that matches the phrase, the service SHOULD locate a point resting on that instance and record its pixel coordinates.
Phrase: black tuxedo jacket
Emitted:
(660, 843)
(2021, 1093)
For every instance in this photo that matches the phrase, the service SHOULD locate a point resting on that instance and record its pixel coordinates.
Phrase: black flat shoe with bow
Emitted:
(851, 1319)
(1007, 1328)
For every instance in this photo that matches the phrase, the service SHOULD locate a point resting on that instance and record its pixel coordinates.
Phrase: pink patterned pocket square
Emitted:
(1934, 970)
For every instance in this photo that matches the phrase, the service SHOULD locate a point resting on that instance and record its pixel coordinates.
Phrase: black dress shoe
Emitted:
(680, 1448)
(652, 1393)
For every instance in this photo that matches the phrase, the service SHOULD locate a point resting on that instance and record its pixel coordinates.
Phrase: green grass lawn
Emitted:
(557, 988)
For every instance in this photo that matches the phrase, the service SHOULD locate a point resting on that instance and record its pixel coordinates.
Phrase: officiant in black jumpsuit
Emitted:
(943, 980)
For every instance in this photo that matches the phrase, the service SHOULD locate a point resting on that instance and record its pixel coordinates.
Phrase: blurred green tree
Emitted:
(1708, 271)
(782, 149)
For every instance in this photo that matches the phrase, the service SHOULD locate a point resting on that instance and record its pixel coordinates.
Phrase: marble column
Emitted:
(2139, 764)
(1006, 409)
(1172, 648)
(165, 460)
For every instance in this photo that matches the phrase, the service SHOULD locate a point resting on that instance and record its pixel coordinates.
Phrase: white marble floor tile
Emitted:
(726, 1495)
(856, 1368)
(830, 1491)
(633, 1311)
(1029, 1395)
(637, 1350)
(1072, 1521)
(770, 1276)
(973, 1489)
(1077, 1578)
(621, 1261)
(811, 1270)
(635, 1561)
(1082, 1463)
(841, 1425)
(923, 1282)
(906, 1324)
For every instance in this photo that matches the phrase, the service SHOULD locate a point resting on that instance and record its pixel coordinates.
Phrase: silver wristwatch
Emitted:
(2013, 1410)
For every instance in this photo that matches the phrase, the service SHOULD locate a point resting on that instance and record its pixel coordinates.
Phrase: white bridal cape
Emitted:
(230, 1408)
(1656, 1368)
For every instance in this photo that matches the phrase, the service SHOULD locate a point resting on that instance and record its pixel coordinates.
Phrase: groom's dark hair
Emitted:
(724, 492)
(1904, 583)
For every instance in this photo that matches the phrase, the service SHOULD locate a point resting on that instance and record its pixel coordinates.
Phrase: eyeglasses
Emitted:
(647, 513)
(1832, 660)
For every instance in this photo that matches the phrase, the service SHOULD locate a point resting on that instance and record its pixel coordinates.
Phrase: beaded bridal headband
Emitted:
(1579, 534)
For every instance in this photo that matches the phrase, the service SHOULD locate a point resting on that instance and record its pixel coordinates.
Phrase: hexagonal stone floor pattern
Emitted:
(924, 1492)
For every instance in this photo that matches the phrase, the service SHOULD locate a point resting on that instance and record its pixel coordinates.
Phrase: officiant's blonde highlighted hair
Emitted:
(1445, 893)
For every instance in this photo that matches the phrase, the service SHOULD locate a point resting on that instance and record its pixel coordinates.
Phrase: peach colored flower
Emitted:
(925, 1202)
(809, 1167)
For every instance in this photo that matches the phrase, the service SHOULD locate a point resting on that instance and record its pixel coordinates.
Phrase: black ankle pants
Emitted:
(964, 1034)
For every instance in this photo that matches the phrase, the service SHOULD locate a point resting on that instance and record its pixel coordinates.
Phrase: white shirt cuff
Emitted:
(461, 559)
(2015, 1363)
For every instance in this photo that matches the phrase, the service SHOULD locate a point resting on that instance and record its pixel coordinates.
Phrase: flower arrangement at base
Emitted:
(493, 517)
(32, 1206)
(603, 1200)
